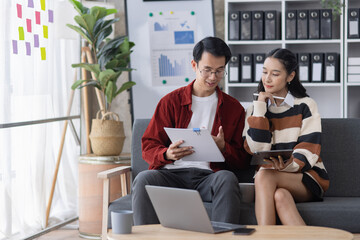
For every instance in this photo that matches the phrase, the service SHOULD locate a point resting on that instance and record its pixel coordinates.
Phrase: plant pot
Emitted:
(107, 136)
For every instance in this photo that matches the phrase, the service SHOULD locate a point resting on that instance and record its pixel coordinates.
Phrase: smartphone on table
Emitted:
(243, 231)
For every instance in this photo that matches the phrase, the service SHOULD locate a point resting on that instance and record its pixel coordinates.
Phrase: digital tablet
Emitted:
(258, 157)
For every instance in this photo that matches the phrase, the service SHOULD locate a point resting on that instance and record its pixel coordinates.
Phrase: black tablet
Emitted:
(258, 157)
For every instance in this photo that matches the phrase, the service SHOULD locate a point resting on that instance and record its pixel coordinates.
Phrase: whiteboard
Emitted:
(162, 59)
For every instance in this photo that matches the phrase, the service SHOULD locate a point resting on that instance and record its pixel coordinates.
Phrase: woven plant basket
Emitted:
(107, 136)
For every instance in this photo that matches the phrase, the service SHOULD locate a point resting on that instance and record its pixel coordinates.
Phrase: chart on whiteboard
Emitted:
(172, 38)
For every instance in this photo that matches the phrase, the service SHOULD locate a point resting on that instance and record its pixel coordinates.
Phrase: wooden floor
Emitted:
(70, 232)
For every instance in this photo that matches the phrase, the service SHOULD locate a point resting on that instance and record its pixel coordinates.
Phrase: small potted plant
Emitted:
(107, 59)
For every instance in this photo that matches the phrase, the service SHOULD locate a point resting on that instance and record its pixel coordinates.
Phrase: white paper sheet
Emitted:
(202, 142)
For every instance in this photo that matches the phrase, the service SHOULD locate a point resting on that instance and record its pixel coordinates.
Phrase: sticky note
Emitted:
(36, 40)
(28, 25)
(45, 30)
(28, 49)
(43, 53)
(21, 33)
(42, 4)
(30, 3)
(19, 10)
(15, 47)
(37, 17)
(51, 16)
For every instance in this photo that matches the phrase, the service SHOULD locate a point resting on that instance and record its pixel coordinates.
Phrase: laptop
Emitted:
(183, 209)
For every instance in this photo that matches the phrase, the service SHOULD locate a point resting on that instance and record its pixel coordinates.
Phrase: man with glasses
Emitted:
(201, 104)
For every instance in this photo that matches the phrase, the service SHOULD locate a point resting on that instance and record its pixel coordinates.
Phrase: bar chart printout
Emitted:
(166, 68)
(172, 38)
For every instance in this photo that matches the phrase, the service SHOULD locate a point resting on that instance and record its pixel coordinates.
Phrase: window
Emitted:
(35, 84)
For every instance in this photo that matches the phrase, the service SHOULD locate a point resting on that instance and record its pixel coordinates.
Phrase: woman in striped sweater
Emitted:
(292, 122)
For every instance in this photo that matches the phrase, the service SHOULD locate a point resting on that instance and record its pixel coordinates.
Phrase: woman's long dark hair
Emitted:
(289, 60)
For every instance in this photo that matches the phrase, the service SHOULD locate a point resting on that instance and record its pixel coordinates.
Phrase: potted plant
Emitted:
(335, 5)
(107, 59)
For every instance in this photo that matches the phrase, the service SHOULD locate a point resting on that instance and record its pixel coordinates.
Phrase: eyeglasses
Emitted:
(207, 73)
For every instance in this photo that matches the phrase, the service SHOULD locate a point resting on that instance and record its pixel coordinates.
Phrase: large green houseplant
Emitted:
(106, 60)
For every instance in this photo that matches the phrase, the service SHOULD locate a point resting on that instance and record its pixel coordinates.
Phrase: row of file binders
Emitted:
(353, 23)
(313, 67)
(254, 25)
(309, 24)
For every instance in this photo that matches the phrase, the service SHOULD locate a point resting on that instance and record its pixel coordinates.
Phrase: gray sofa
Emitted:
(340, 153)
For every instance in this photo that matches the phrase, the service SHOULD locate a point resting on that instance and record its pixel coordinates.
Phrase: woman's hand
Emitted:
(175, 152)
(278, 163)
(264, 96)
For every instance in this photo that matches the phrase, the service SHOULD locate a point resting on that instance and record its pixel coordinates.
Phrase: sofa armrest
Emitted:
(124, 173)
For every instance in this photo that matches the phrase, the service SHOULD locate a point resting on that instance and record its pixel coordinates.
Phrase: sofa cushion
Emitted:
(340, 153)
(336, 212)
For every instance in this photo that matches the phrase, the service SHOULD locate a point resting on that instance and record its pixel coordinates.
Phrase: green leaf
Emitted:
(123, 69)
(125, 45)
(98, 12)
(111, 11)
(99, 39)
(86, 21)
(105, 76)
(77, 84)
(80, 31)
(112, 64)
(79, 7)
(92, 83)
(110, 91)
(95, 68)
(125, 86)
(100, 26)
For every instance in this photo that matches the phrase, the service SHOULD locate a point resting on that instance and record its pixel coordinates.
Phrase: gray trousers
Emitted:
(221, 188)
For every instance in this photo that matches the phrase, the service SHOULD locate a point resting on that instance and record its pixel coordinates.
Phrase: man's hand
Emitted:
(220, 140)
(175, 152)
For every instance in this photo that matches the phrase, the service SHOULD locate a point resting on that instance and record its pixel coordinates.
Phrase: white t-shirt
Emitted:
(204, 110)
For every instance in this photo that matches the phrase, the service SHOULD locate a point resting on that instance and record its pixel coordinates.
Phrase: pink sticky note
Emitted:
(28, 25)
(19, 10)
(30, 3)
(15, 48)
(51, 16)
(36, 40)
(28, 49)
(37, 17)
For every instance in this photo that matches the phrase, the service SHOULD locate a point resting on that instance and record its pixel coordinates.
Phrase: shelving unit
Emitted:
(331, 97)
(351, 49)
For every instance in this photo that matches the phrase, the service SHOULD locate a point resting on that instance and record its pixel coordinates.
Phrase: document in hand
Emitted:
(202, 142)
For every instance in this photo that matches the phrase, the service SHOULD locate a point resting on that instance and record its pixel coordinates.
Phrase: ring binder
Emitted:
(353, 24)
(302, 24)
(234, 69)
(234, 25)
(258, 25)
(245, 25)
(326, 24)
(291, 24)
(271, 25)
(314, 24)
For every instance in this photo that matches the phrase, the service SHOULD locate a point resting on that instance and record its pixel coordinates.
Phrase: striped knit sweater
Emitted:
(286, 127)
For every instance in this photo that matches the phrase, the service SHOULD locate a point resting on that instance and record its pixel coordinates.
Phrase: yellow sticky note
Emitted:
(45, 30)
(42, 3)
(21, 33)
(43, 53)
